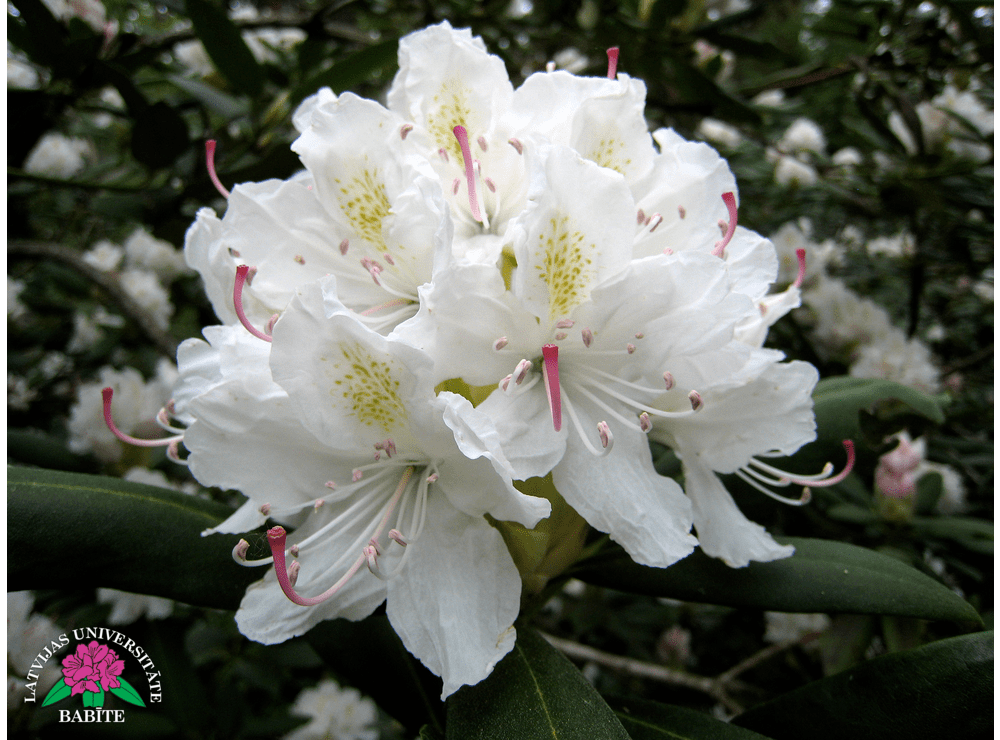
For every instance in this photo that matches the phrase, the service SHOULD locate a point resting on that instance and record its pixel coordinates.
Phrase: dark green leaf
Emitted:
(940, 690)
(822, 576)
(227, 106)
(127, 692)
(929, 489)
(35, 447)
(974, 534)
(57, 693)
(352, 648)
(108, 532)
(651, 720)
(838, 401)
(350, 70)
(225, 46)
(534, 692)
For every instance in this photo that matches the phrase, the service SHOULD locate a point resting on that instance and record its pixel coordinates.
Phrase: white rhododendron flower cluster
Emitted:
(471, 287)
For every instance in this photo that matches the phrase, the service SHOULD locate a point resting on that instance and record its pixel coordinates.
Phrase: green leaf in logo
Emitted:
(126, 692)
(57, 693)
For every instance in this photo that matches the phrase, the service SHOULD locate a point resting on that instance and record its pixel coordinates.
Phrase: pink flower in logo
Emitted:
(92, 664)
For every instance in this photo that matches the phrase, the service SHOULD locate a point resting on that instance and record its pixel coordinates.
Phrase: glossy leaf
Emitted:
(651, 720)
(838, 402)
(973, 534)
(67, 530)
(534, 692)
(227, 106)
(127, 692)
(822, 576)
(944, 689)
(57, 693)
(225, 46)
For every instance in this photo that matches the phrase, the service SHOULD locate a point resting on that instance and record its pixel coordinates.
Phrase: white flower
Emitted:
(895, 357)
(803, 135)
(145, 289)
(127, 608)
(770, 99)
(847, 157)
(104, 256)
(19, 393)
(87, 329)
(782, 627)
(900, 245)
(334, 714)
(27, 635)
(845, 320)
(350, 433)
(588, 332)
(719, 132)
(15, 308)
(571, 60)
(791, 171)
(21, 74)
(950, 120)
(56, 155)
(263, 41)
(91, 12)
(145, 252)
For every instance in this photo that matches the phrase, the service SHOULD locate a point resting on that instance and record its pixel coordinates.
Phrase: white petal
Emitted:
(524, 423)
(622, 494)
(244, 519)
(454, 605)
(722, 529)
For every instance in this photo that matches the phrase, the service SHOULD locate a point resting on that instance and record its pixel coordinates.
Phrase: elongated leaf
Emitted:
(67, 530)
(227, 106)
(352, 648)
(225, 46)
(57, 693)
(941, 690)
(822, 576)
(651, 720)
(94, 698)
(974, 534)
(350, 70)
(838, 401)
(534, 692)
(127, 692)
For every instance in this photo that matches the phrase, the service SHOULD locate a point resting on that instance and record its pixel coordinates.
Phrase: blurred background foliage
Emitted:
(903, 155)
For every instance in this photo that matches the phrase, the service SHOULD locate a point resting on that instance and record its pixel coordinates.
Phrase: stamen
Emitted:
(504, 383)
(455, 185)
(388, 258)
(356, 475)
(521, 371)
(463, 141)
(656, 220)
(681, 211)
(639, 335)
(644, 423)
(482, 143)
(583, 437)
(560, 335)
(802, 500)
(373, 267)
(550, 356)
(500, 343)
(588, 337)
(293, 573)
(271, 322)
(612, 62)
(607, 438)
(490, 184)
(300, 259)
(668, 380)
(344, 245)
(241, 550)
(432, 478)
(265, 509)
(443, 154)
(516, 143)
(640, 217)
(800, 255)
(565, 324)
(630, 348)
(319, 502)
(730, 200)
(276, 539)
(406, 128)
(374, 544)
(210, 165)
(550, 66)
(696, 400)
(294, 551)
(396, 536)
(106, 395)
(241, 278)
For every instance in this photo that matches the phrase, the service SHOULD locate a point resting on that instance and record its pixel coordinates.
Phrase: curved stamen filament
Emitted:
(276, 539)
(583, 436)
(163, 421)
(633, 403)
(210, 165)
(730, 201)
(106, 395)
(241, 278)
(626, 383)
(804, 499)
(822, 479)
